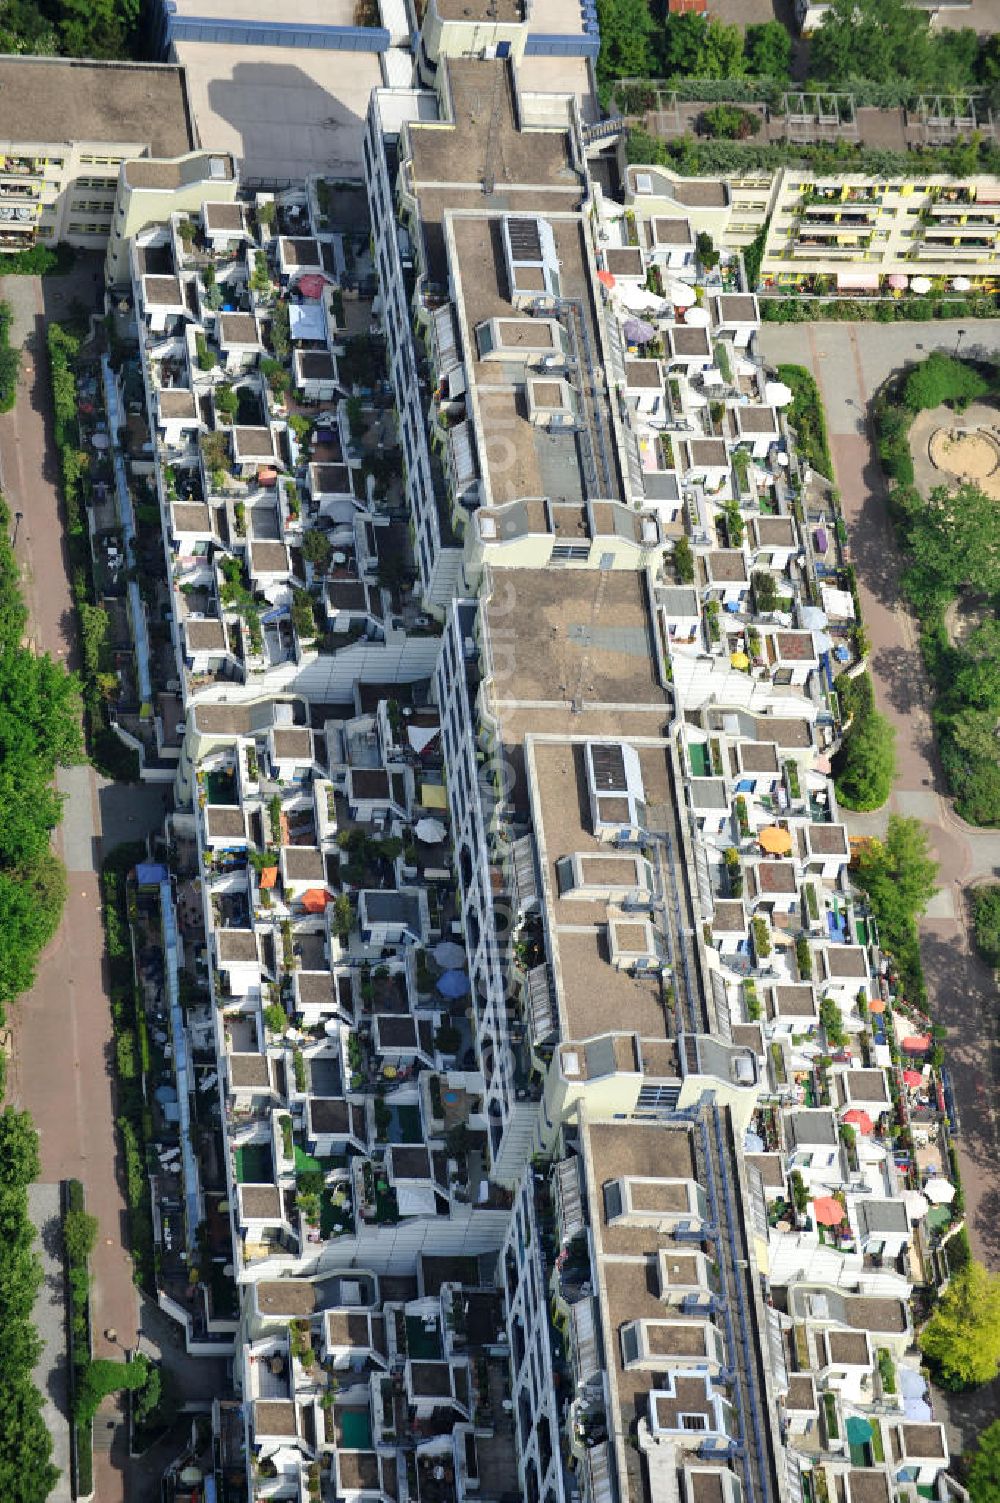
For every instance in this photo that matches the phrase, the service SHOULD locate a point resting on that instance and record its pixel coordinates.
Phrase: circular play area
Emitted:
(967, 454)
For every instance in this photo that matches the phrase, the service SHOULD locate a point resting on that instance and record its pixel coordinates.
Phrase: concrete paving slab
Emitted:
(79, 835)
(941, 905)
(925, 806)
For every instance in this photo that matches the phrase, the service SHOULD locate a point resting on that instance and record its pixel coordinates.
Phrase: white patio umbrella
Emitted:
(939, 1191)
(681, 295)
(698, 318)
(920, 285)
(961, 284)
(777, 394)
(430, 831)
(635, 298)
(916, 1204)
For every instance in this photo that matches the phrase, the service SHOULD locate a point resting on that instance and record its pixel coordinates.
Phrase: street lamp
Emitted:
(17, 522)
(958, 341)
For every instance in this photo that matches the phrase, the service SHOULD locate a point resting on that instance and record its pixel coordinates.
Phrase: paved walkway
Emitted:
(61, 1070)
(50, 1320)
(850, 361)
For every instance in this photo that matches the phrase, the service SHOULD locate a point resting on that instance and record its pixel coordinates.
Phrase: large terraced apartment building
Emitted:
(552, 1153)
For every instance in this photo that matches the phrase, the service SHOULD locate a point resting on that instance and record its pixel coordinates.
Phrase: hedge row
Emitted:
(79, 1232)
(801, 310)
(26, 1470)
(107, 752)
(807, 417)
(131, 1048)
(696, 158)
(10, 362)
(770, 91)
(39, 261)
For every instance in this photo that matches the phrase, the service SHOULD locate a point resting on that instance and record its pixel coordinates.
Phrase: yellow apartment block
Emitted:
(866, 234)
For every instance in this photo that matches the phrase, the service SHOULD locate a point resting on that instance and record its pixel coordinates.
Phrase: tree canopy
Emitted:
(883, 39)
(953, 538)
(899, 875)
(688, 45)
(858, 41)
(74, 28)
(986, 918)
(962, 1338)
(941, 378)
(865, 765)
(768, 48)
(26, 1470)
(626, 33)
(983, 1476)
(39, 731)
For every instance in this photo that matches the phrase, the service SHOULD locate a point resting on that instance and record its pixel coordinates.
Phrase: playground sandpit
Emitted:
(967, 454)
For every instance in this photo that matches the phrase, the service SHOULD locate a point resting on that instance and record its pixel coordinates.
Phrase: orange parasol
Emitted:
(605, 278)
(315, 899)
(828, 1211)
(268, 876)
(775, 840)
(861, 1120)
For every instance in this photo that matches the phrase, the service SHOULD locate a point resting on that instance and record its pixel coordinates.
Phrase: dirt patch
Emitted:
(967, 454)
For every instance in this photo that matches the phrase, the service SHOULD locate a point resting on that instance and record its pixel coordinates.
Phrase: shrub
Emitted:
(729, 122)
(754, 254)
(226, 401)
(832, 1023)
(765, 591)
(79, 1235)
(275, 1017)
(886, 1370)
(303, 614)
(806, 416)
(276, 376)
(803, 957)
(38, 261)
(708, 256)
(317, 549)
(103, 1377)
(684, 560)
(893, 429)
